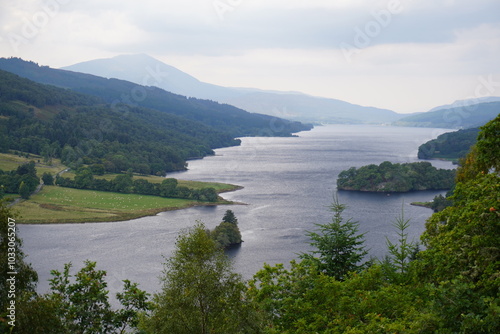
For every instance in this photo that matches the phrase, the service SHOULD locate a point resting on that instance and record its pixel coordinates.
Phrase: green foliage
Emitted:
(227, 233)
(200, 292)
(125, 183)
(22, 181)
(389, 177)
(48, 179)
(338, 248)
(82, 306)
(229, 217)
(450, 145)
(397, 263)
(83, 129)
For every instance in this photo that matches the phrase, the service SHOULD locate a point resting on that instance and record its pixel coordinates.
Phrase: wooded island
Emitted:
(389, 177)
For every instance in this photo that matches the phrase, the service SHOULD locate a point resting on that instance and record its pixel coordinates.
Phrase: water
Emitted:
(288, 185)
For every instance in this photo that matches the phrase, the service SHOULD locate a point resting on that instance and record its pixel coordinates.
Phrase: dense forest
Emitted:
(80, 129)
(125, 97)
(452, 286)
(389, 177)
(450, 145)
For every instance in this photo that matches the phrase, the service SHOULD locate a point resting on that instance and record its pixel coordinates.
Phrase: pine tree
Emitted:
(338, 248)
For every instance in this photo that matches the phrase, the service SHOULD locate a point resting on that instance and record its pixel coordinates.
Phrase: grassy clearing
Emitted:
(65, 205)
(12, 161)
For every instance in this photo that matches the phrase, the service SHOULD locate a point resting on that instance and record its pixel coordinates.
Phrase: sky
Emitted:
(403, 55)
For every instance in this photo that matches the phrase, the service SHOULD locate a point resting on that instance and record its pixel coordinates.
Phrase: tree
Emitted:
(338, 248)
(397, 263)
(83, 306)
(227, 233)
(462, 240)
(168, 187)
(201, 293)
(24, 190)
(229, 217)
(48, 179)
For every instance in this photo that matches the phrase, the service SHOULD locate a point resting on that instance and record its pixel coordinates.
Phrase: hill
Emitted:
(222, 117)
(290, 105)
(467, 102)
(450, 145)
(454, 118)
(77, 128)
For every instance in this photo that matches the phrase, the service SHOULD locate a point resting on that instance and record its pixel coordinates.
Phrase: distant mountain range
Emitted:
(464, 117)
(145, 70)
(122, 95)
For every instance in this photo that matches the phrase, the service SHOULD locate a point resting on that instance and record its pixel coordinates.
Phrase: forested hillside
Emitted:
(56, 122)
(222, 117)
(450, 145)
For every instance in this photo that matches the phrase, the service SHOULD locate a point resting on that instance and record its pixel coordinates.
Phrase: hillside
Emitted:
(454, 118)
(77, 128)
(290, 105)
(450, 145)
(222, 117)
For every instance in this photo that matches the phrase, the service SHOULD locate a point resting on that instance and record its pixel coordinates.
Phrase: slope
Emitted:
(78, 128)
(143, 69)
(222, 117)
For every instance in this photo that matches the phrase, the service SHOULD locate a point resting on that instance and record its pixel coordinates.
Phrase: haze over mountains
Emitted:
(143, 69)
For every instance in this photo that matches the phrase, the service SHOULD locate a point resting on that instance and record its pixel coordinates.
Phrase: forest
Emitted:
(450, 285)
(450, 145)
(389, 177)
(80, 129)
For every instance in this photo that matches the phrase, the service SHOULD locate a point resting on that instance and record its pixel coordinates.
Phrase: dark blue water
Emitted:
(288, 185)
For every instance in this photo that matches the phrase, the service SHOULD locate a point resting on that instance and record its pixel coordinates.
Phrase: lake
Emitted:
(288, 185)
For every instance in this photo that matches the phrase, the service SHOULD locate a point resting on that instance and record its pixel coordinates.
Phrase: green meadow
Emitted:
(66, 205)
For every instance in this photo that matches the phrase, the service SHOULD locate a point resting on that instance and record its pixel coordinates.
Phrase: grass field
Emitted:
(66, 205)
(12, 161)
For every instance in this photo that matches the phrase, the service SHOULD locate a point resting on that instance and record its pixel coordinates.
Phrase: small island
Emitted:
(389, 177)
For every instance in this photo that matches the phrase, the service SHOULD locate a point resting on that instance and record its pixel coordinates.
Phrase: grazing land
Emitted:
(66, 205)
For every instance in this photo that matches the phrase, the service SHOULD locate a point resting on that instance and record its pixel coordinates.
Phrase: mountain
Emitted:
(454, 118)
(122, 95)
(143, 69)
(77, 128)
(467, 102)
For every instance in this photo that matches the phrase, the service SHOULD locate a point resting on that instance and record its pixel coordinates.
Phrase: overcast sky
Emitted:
(404, 55)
